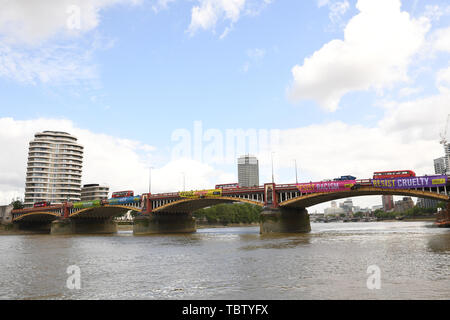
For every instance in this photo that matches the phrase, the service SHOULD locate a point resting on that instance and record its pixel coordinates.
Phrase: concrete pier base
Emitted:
(284, 220)
(29, 227)
(83, 226)
(164, 223)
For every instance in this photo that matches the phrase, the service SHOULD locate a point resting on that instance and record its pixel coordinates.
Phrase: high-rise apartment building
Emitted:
(439, 165)
(91, 192)
(55, 161)
(248, 171)
(447, 158)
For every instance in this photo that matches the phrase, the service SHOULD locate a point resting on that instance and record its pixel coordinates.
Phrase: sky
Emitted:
(184, 87)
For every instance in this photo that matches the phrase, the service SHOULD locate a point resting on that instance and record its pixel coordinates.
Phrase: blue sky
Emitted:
(140, 69)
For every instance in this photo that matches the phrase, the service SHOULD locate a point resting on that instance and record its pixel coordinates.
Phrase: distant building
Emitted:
(427, 203)
(440, 165)
(447, 158)
(404, 204)
(347, 206)
(94, 192)
(377, 207)
(334, 211)
(388, 202)
(55, 162)
(248, 171)
(5, 214)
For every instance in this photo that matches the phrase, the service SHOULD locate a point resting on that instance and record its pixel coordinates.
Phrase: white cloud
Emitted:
(208, 13)
(441, 40)
(50, 64)
(443, 80)
(407, 137)
(40, 41)
(255, 56)
(161, 5)
(435, 12)
(337, 10)
(408, 91)
(378, 46)
(117, 162)
(33, 22)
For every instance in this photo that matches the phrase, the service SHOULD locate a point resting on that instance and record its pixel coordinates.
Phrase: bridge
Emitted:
(284, 205)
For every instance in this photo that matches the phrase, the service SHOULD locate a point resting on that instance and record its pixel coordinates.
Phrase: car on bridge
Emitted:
(345, 178)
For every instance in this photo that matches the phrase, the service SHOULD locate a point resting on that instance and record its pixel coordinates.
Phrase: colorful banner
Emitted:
(327, 186)
(86, 204)
(411, 182)
(115, 201)
(201, 193)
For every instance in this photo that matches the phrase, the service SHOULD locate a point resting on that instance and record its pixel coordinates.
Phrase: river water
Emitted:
(331, 262)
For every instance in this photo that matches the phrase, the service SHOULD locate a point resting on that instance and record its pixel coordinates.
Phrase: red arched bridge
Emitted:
(271, 195)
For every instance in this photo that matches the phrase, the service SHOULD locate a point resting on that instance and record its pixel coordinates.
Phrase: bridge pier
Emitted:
(164, 222)
(32, 227)
(284, 220)
(83, 226)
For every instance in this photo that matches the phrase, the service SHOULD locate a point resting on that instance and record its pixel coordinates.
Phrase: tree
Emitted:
(229, 213)
(17, 204)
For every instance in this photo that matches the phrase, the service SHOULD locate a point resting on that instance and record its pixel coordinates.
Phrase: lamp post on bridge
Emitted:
(184, 181)
(271, 156)
(296, 178)
(150, 180)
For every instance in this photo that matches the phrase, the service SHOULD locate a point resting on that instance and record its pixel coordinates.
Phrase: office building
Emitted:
(54, 168)
(91, 192)
(427, 203)
(248, 171)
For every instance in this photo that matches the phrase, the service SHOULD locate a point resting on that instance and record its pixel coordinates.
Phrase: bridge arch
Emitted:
(312, 199)
(38, 216)
(189, 205)
(106, 211)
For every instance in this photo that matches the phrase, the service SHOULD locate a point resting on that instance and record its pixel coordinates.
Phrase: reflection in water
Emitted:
(440, 243)
(233, 263)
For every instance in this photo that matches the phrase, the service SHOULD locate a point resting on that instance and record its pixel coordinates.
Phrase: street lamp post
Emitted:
(272, 165)
(296, 178)
(150, 180)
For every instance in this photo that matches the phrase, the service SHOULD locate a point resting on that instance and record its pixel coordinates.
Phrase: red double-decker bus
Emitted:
(393, 174)
(121, 194)
(42, 204)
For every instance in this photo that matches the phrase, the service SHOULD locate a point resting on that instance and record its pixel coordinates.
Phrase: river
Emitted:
(331, 262)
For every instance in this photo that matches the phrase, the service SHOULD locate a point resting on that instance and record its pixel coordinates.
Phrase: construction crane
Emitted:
(446, 147)
(444, 134)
